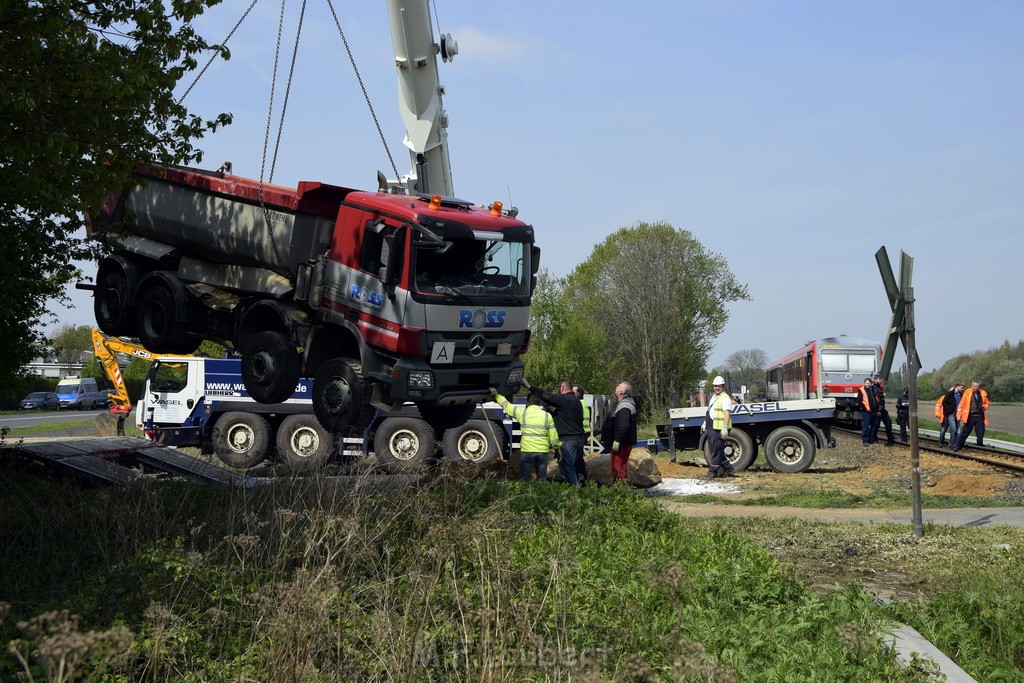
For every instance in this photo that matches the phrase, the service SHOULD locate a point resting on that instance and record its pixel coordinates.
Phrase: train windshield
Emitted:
(845, 361)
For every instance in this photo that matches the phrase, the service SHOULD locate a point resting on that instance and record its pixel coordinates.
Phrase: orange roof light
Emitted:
(496, 209)
(435, 202)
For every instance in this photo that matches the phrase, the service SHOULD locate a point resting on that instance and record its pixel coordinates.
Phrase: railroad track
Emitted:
(1007, 458)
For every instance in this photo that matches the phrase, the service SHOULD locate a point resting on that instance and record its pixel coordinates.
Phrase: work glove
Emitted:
(703, 426)
(724, 432)
(494, 392)
(615, 445)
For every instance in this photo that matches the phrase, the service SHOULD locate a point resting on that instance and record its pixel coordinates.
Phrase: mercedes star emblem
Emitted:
(476, 345)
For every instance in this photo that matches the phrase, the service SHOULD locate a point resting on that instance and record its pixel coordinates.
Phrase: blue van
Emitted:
(79, 393)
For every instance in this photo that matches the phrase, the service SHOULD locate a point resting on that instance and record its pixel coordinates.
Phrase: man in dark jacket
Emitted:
(618, 433)
(568, 414)
(882, 415)
(903, 413)
(949, 422)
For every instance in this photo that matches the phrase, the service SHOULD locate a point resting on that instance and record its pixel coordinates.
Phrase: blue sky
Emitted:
(793, 137)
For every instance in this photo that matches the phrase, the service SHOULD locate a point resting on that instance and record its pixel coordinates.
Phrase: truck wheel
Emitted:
(789, 450)
(110, 304)
(302, 444)
(340, 397)
(442, 418)
(740, 450)
(270, 367)
(404, 443)
(158, 329)
(477, 441)
(241, 439)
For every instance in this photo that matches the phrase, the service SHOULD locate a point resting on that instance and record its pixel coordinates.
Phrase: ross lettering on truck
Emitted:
(755, 408)
(480, 318)
(365, 295)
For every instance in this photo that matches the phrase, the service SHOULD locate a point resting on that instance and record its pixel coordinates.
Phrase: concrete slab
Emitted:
(907, 643)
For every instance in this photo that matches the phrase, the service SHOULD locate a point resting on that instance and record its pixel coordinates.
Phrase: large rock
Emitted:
(642, 471)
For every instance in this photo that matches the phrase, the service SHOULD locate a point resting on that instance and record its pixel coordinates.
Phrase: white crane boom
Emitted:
(419, 96)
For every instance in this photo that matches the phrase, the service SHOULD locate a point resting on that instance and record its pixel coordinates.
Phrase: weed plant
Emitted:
(328, 580)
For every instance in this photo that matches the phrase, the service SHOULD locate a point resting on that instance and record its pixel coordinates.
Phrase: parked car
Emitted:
(41, 400)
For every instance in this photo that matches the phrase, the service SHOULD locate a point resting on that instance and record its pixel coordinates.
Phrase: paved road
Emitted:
(978, 517)
(30, 418)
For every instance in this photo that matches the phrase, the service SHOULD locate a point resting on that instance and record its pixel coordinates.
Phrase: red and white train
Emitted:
(834, 366)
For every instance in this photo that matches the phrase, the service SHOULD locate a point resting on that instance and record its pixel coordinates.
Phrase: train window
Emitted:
(857, 363)
(862, 363)
(833, 362)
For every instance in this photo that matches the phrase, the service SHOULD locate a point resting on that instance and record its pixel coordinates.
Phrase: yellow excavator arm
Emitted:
(105, 349)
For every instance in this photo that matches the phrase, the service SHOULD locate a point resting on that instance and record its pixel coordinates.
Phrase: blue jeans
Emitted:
(571, 450)
(953, 427)
(530, 462)
(867, 426)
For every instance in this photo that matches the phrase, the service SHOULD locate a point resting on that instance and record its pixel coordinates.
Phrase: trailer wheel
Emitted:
(110, 304)
(789, 450)
(241, 439)
(442, 418)
(740, 450)
(270, 367)
(340, 396)
(158, 328)
(404, 443)
(302, 444)
(477, 441)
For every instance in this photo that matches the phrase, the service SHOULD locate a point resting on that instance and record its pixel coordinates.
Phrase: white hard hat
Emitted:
(718, 381)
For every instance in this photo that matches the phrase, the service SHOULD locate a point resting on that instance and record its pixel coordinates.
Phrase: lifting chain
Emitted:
(366, 96)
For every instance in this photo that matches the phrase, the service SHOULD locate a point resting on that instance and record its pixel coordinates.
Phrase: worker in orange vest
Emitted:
(868, 409)
(973, 414)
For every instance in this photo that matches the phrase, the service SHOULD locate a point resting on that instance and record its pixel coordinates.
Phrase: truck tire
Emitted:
(442, 418)
(158, 328)
(476, 441)
(341, 398)
(740, 450)
(789, 450)
(404, 444)
(270, 367)
(241, 439)
(110, 304)
(302, 444)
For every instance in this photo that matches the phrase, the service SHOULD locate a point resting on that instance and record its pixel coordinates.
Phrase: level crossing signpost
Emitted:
(901, 330)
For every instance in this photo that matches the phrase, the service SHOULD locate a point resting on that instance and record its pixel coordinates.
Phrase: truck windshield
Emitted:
(168, 376)
(474, 267)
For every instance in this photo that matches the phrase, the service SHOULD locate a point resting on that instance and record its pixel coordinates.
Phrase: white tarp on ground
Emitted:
(690, 487)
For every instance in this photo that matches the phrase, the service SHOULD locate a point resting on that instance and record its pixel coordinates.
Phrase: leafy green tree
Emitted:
(71, 342)
(746, 367)
(86, 93)
(655, 299)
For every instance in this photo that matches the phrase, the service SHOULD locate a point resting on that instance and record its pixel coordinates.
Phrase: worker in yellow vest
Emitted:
(539, 436)
(716, 425)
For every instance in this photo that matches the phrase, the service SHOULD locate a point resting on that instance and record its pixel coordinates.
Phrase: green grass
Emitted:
(301, 581)
(49, 427)
(960, 586)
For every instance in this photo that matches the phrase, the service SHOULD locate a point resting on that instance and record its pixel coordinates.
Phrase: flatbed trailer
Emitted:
(790, 432)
